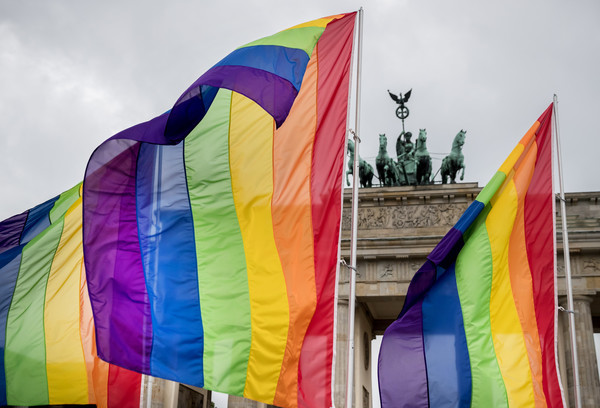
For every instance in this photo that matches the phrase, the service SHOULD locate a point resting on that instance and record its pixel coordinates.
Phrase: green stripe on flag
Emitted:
(304, 38)
(474, 282)
(222, 277)
(25, 354)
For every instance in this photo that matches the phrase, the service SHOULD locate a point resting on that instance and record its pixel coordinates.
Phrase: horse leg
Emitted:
(428, 171)
(453, 177)
(381, 174)
(444, 173)
(396, 173)
(423, 171)
(370, 175)
(444, 170)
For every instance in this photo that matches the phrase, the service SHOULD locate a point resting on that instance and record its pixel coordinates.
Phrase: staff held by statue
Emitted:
(402, 111)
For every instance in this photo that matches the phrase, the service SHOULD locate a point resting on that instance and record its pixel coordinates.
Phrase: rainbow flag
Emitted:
(211, 232)
(478, 327)
(47, 346)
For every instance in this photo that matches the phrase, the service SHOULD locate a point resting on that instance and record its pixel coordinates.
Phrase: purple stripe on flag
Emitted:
(113, 259)
(285, 62)
(152, 131)
(274, 93)
(402, 346)
(38, 220)
(10, 231)
(442, 255)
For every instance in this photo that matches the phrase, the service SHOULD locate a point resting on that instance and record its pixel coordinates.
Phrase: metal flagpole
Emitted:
(567, 261)
(353, 237)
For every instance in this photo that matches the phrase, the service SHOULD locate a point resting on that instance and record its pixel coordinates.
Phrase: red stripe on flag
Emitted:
(334, 54)
(124, 388)
(540, 248)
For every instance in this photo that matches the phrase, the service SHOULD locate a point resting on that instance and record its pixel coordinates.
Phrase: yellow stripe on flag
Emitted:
(507, 334)
(251, 163)
(67, 376)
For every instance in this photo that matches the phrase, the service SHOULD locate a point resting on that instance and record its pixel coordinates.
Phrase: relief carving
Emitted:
(402, 216)
(450, 213)
(410, 216)
(560, 269)
(591, 266)
(387, 271)
(369, 218)
(423, 216)
(346, 219)
(415, 266)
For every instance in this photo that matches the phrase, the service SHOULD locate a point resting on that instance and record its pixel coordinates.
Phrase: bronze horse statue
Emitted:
(455, 160)
(365, 170)
(423, 158)
(387, 171)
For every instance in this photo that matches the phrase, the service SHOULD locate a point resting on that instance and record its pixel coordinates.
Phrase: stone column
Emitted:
(586, 352)
(363, 335)
(153, 389)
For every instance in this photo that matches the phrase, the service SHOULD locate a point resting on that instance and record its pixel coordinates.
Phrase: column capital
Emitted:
(562, 299)
(583, 298)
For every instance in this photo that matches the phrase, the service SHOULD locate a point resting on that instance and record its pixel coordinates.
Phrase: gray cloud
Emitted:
(75, 73)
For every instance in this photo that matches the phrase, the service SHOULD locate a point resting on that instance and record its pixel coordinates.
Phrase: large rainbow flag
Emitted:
(478, 327)
(47, 346)
(211, 232)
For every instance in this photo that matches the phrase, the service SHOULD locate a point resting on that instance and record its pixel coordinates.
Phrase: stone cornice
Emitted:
(410, 221)
(436, 193)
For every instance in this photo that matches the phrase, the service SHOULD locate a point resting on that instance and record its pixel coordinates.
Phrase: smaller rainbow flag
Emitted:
(47, 343)
(478, 325)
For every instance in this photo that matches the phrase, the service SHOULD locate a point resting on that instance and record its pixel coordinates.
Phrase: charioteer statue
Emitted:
(411, 164)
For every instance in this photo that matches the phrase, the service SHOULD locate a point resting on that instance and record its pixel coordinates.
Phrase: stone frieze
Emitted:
(410, 216)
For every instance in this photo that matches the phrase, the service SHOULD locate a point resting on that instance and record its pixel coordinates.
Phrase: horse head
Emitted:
(422, 138)
(459, 139)
(382, 140)
(350, 147)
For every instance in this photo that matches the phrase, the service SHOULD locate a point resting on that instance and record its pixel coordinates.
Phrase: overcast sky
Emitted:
(73, 73)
